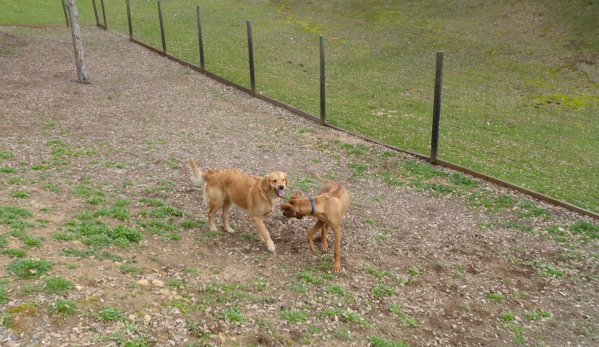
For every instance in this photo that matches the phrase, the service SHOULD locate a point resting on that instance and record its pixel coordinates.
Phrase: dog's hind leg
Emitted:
(226, 212)
(212, 214)
(317, 226)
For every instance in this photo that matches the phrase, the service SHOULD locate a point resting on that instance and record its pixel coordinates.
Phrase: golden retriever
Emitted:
(328, 208)
(258, 196)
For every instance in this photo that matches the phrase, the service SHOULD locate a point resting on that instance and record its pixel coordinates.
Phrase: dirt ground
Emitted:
(420, 267)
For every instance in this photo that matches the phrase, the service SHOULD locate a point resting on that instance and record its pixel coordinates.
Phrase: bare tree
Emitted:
(74, 17)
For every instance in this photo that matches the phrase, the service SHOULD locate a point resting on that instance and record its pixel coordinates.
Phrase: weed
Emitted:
(3, 294)
(342, 333)
(31, 241)
(547, 270)
(379, 274)
(63, 307)
(376, 341)
(14, 253)
(111, 314)
(151, 202)
(314, 330)
(508, 317)
(18, 194)
(29, 268)
(130, 269)
(299, 287)
(304, 184)
(15, 180)
(293, 316)
(115, 212)
(516, 225)
(233, 314)
(191, 223)
(336, 289)
(587, 231)
(519, 340)
(414, 271)
(58, 285)
(458, 178)
(496, 297)
(381, 289)
(166, 211)
(8, 170)
(537, 314)
(213, 234)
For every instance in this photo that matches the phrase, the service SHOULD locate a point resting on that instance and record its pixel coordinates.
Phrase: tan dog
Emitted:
(258, 196)
(328, 207)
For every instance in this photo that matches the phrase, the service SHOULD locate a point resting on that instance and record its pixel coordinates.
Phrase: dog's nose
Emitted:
(281, 187)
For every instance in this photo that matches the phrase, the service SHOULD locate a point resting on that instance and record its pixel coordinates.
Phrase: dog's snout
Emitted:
(281, 187)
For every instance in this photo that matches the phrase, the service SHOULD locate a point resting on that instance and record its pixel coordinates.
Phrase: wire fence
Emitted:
(101, 21)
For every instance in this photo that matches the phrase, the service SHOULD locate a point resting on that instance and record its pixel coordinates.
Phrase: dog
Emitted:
(258, 196)
(328, 208)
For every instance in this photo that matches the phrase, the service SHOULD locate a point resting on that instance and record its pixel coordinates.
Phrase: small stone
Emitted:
(158, 283)
(143, 283)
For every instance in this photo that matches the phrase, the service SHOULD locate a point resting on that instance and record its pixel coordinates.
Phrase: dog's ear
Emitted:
(265, 183)
(286, 180)
(288, 210)
(296, 195)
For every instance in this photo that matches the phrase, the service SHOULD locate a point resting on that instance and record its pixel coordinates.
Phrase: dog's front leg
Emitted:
(317, 226)
(324, 245)
(263, 233)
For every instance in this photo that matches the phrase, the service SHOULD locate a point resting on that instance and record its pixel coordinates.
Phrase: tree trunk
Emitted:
(74, 16)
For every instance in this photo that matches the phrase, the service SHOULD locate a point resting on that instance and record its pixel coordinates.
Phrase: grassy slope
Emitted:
(520, 79)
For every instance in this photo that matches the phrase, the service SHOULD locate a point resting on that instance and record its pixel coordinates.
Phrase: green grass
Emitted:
(111, 314)
(29, 268)
(376, 341)
(96, 233)
(58, 285)
(63, 307)
(495, 297)
(233, 314)
(3, 294)
(294, 316)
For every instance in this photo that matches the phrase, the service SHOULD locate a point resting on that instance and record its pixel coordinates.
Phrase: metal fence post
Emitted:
(322, 83)
(66, 17)
(96, 13)
(162, 28)
(129, 20)
(201, 41)
(437, 108)
(104, 14)
(251, 57)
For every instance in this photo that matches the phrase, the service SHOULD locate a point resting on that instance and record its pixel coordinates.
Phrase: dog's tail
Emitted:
(196, 173)
(319, 178)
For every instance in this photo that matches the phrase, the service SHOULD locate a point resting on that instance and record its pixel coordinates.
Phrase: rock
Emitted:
(158, 283)
(143, 283)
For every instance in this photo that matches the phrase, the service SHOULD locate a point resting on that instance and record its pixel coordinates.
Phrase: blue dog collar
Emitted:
(311, 204)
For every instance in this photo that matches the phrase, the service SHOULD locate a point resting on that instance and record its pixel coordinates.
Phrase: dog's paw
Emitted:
(271, 246)
(336, 267)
